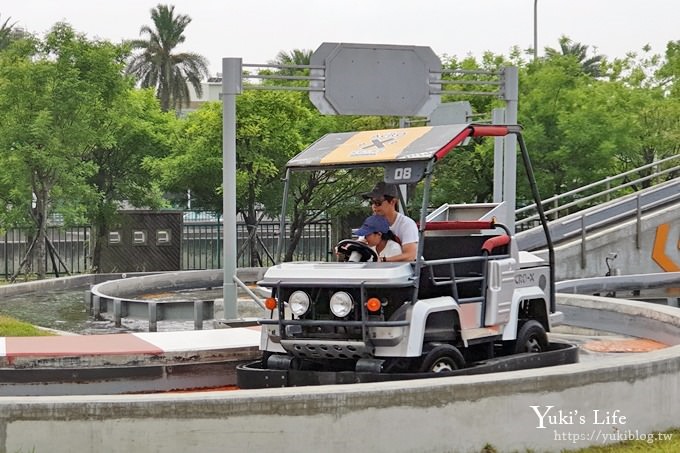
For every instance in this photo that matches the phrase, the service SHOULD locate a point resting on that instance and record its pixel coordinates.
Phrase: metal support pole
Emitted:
(421, 229)
(153, 316)
(282, 220)
(498, 117)
(198, 315)
(541, 215)
(117, 312)
(231, 87)
(535, 29)
(96, 308)
(510, 95)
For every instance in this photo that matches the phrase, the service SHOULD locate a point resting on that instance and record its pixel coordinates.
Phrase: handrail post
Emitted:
(583, 242)
(607, 185)
(638, 222)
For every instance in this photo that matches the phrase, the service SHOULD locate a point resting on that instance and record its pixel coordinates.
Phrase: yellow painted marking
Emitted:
(369, 146)
(659, 252)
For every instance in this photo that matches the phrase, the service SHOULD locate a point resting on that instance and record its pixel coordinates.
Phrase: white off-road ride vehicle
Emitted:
(469, 296)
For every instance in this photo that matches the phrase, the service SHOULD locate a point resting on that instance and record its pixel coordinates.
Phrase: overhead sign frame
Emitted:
(375, 79)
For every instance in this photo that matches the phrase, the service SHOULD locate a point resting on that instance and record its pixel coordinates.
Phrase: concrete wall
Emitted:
(246, 274)
(622, 241)
(586, 403)
(56, 284)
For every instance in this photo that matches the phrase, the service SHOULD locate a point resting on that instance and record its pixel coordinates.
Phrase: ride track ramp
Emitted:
(627, 230)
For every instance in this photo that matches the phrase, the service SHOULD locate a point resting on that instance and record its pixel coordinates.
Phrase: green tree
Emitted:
(568, 48)
(268, 133)
(158, 66)
(296, 57)
(467, 175)
(650, 87)
(53, 99)
(195, 160)
(139, 130)
(669, 72)
(554, 97)
(6, 32)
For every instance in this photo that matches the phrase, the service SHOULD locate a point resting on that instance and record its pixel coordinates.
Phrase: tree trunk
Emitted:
(99, 238)
(251, 224)
(100, 232)
(250, 217)
(297, 227)
(40, 214)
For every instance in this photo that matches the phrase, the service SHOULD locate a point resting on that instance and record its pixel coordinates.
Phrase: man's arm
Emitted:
(408, 253)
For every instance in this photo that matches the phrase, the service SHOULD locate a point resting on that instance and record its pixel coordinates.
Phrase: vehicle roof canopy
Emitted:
(374, 148)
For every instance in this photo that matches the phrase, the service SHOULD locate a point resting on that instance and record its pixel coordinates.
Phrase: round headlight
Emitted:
(341, 304)
(298, 303)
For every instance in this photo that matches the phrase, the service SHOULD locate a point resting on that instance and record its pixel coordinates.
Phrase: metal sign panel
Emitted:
(372, 79)
(451, 113)
(377, 147)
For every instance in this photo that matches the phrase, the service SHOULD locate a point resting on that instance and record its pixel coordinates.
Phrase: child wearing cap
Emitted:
(377, 234)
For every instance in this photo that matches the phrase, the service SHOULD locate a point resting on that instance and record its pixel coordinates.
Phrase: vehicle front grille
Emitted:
(319, 349)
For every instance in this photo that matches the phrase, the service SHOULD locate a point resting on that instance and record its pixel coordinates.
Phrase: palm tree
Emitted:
(157, 66)
(590, 66)
(294, 57)
(6, 33)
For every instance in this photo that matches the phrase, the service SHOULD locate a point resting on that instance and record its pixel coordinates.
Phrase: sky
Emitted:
(257, 30)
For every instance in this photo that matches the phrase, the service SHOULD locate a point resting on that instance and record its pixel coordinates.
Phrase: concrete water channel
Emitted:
(91, 308)
(70, 311)
(441, 414)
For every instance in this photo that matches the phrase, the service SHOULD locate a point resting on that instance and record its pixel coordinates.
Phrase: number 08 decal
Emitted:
(402, 173)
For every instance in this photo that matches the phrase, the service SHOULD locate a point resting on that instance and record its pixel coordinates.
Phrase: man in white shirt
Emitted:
(384, 198)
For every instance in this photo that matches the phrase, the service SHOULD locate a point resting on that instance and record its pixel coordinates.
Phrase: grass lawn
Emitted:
(10, 327)
(664, 442)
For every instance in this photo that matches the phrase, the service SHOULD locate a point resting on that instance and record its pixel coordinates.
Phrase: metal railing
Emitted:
(201, 246)
(611, 187)
(72, 245)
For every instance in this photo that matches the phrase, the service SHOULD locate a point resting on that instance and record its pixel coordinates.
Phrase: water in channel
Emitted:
(67, 311)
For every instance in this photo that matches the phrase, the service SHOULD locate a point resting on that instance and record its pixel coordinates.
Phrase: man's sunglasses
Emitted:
(379, 201)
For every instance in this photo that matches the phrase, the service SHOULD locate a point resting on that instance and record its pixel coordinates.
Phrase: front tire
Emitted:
(282, 362)
(442, 359)
(531, 338)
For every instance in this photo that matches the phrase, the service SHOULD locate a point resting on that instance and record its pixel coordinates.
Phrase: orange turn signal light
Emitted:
(373, 304)
(270, 303)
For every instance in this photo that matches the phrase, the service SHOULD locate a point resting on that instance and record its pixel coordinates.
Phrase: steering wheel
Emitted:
(347, 246)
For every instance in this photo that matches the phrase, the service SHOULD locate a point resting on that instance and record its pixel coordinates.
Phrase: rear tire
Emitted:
(441, 359)
(531, 338)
